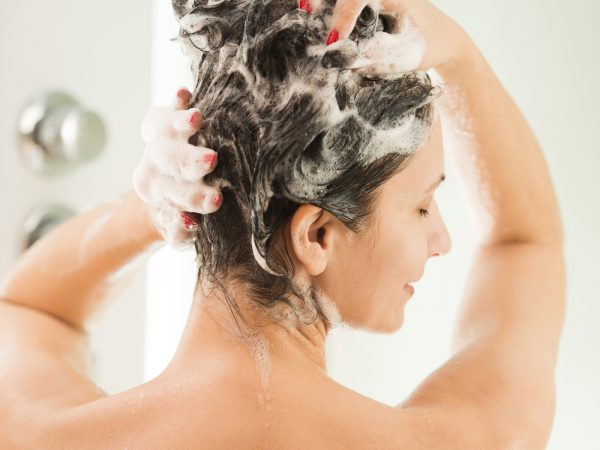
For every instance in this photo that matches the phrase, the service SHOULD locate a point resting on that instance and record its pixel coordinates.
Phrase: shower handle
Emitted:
(57, 134)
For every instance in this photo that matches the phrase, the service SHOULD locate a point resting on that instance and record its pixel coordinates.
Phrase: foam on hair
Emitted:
(297, 118)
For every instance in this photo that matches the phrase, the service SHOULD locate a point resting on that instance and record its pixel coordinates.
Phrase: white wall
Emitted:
(546, 55)
(99, 52)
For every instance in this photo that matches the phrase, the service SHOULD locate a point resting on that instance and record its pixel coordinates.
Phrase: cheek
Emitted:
(373, 281)
(394, 261)
(399, 248)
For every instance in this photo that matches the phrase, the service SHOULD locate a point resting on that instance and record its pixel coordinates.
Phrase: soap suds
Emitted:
(170, 177)
(394, 53)
(329, 309)
(459, 134)
(259, 347)
(266, 80)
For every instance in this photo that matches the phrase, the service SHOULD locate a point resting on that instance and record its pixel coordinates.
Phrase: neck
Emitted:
(268, 333)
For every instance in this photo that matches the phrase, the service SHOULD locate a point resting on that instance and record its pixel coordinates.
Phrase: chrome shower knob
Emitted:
(57, 134)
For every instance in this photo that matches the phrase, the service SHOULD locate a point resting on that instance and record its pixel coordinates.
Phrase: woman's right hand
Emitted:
(169, 178)
(423, 37)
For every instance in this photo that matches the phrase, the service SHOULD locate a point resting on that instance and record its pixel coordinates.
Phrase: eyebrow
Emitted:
(434, 185)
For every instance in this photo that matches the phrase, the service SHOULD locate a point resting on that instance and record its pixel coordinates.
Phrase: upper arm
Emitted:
(501, 375)
(26, 329)
(48, 401)
(516, 289)
(43, 369)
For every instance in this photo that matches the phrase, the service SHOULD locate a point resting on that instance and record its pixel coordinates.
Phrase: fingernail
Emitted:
(210, 159)
(333, 36)
(305, 6)
(182, 94)
(188, 221)
(194, 118)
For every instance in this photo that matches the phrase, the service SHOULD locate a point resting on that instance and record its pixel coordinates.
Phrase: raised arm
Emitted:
(502, 169)
(70, 272)
(501, 375)
(497, 390)
(512, 204)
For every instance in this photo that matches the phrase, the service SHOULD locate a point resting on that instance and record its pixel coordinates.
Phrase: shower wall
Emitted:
(98, 53)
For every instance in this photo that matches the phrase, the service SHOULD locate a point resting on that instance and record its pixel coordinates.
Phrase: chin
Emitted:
(392, 327)
(389, 325)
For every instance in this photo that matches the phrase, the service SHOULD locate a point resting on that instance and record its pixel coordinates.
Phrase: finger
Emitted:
(197, 162)
(181, 159)
(187, 121)
(159, 189)
(213, 200)
(194, 197)
(189, 220)
(155, 123)
(166, 191)
(344, 18)
(172, 229)
(181, 99)
(305, 5)
(142, 178)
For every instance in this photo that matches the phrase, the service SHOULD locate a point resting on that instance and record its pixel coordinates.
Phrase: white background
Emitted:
(98, 52)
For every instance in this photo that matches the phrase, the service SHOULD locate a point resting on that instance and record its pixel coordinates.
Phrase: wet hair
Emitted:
(292, 125)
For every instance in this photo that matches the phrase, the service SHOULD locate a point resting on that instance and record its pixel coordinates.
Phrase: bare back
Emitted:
(496, 391)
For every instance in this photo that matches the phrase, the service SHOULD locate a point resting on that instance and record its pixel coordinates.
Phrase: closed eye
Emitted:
(423, 212)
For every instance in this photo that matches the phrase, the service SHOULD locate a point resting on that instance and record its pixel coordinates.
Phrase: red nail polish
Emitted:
(187, 220)
(194, 118)
(210, 159)
(333, 36)
(182, 93)
(305, 5)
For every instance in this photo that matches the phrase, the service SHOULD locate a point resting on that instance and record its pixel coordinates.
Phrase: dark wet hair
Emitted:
(291, 125)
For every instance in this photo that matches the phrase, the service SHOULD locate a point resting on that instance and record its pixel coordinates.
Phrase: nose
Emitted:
(444, 244)
(440, 242)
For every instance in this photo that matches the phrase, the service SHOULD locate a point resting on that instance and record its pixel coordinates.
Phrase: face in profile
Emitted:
(365, 274)
(307, 131)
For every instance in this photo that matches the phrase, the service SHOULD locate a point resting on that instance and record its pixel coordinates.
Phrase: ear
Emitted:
(312, 231)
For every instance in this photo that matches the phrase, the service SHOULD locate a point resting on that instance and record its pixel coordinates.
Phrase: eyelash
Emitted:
(423, 212)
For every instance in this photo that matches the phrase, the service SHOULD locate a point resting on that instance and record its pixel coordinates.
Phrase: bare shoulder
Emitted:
(177, 411)
(46, 396)
(48, 400)
(314, 411)
(221, 408)
(43, 369)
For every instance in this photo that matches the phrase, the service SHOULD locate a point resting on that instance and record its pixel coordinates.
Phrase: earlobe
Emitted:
(308, 236)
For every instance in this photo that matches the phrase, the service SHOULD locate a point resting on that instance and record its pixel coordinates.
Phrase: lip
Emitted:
(409, 289)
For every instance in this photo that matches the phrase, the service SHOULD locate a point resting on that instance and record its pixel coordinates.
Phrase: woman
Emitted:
(311, 252)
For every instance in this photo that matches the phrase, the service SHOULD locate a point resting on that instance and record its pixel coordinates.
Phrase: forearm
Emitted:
(70, 271)
(501, 167)
(502, 171)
